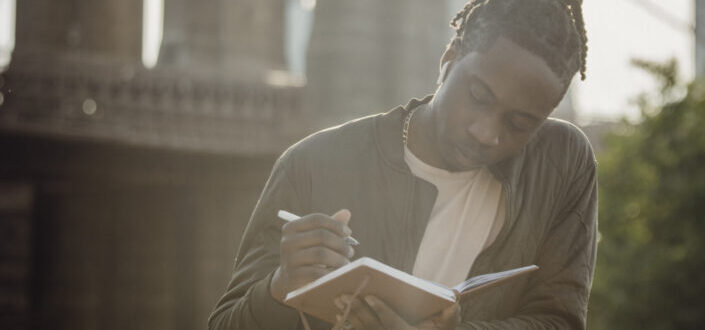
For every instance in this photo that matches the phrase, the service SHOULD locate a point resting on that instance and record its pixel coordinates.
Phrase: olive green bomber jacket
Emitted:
(551, 221)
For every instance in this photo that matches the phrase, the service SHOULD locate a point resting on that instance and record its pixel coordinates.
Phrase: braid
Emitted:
(458, 22)
(552, 29)
(577, 13)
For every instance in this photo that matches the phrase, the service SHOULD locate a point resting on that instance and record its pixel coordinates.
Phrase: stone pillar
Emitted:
(109, 28)
(191, 33)
(16, 202)
(368, 56)
(252, 33)
(230, 36)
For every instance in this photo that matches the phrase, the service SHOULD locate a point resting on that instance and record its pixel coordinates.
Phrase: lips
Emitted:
(470, 157)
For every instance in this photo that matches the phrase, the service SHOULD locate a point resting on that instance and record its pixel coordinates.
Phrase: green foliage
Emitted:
(651, 262)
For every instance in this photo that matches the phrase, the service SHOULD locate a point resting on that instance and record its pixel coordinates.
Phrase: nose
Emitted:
(486, 130)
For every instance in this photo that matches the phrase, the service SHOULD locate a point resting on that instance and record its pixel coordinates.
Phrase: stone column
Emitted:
(368, 56)
(16, 202)
(252, 34)
(109, 28)
(191, 33)
(236, 37)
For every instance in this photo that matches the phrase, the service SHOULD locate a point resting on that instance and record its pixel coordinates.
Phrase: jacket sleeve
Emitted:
(557, 294)
(247, 303)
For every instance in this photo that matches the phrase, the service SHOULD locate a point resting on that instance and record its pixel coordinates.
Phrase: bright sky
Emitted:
(618, 30)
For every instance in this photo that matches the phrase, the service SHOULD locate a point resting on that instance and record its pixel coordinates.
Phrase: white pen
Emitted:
(288, 216)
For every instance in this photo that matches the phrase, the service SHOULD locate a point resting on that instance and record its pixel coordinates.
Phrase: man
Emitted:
(472, 179)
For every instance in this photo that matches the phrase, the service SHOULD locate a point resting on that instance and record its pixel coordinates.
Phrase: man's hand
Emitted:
(310, 248)
(375, 314)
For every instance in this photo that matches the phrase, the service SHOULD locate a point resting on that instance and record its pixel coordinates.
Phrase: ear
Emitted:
(449, 55)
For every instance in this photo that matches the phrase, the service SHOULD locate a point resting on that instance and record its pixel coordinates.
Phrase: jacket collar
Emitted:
(388, 134)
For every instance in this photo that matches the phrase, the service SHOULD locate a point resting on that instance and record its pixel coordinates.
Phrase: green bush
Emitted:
(650, 270)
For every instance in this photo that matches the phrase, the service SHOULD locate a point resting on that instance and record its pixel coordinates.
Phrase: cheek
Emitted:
(455, 101)
(456, 130)
(452, 123)
(457, 117)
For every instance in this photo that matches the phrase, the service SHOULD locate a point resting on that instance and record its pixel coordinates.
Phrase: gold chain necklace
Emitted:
(405, 128)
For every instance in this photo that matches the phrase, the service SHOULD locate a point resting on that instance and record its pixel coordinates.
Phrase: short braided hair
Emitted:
(554, 30)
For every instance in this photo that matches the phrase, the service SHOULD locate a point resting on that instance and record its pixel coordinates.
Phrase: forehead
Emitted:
(519, 79)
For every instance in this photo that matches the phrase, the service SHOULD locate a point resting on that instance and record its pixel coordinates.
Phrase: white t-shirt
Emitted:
(466, 218)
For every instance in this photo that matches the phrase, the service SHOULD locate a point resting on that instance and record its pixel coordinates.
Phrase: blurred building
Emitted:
(124, 190)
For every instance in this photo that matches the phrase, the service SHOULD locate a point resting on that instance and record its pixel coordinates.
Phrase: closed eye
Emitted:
(480, 93)
(520, 123)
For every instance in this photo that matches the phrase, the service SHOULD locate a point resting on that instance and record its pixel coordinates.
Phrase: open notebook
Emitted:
(413, 298)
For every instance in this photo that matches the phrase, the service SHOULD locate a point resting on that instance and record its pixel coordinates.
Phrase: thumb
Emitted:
(450, 311)
(449, 317)
(342, 216)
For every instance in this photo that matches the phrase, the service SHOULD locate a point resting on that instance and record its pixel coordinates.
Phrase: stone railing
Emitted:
(94, 99)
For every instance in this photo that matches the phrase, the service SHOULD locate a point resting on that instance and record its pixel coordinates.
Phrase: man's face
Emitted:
(490, 105)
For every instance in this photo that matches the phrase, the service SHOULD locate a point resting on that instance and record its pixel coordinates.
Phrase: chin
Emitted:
(465, 162)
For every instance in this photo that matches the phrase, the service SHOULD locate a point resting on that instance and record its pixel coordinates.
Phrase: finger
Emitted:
(450, 317)
(316, 237)
(351, 316)
(361, 313)
(346, 323)
(450, 312)
(427, 325)
(316, 255)
(342, 216)
(389, 318)
(316, 221)
(352, 320)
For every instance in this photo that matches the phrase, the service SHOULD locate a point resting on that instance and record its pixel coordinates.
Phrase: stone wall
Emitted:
(100, 236)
